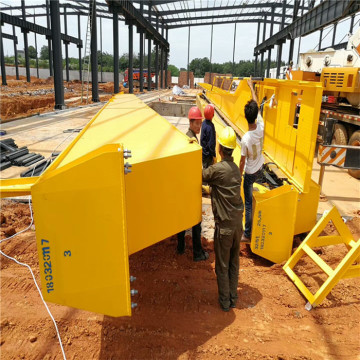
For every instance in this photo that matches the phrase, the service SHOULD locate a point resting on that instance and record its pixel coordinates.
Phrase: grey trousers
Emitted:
(227, 252)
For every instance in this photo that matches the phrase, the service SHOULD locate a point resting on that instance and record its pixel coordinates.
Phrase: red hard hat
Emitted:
(195, 113)
(209, 112)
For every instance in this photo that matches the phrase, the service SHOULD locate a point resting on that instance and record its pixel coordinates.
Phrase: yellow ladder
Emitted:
(347, 268)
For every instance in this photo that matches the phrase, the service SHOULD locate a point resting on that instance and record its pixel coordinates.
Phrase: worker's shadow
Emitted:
(177, 306)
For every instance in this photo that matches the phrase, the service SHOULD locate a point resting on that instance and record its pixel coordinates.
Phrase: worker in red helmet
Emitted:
(208, 137)
(199, 254)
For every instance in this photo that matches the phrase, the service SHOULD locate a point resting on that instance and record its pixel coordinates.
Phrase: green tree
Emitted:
(200, 66)
(32, 52)
(44, 53)
(174, 70)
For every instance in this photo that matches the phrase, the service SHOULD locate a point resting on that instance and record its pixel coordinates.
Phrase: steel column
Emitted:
(320, 39)
(149, 51)
(36, 49)
(157, 56)
(79, 48)
(256, 56)
(56, 44)
(94, 56)
(301, 21)
(161, 67)
(279, 52)
(15, 52)
(131, 53)
(269, 51)
(292, 40)
(116, 51)
(352, 24)
(2, 59)
(233, 69)
(49, 40)
(334, 35)
(162, 61)
(166, 62)
(26, 46)
(101, 52)
(66, 48)
(262, 53)
(188, 58)
(141, 39)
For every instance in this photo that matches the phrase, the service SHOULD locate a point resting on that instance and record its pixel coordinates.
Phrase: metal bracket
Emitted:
(127, 154)
(127, 168)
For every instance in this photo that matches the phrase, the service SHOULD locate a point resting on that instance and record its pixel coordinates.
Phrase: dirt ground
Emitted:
(20, 99)
(177, 315)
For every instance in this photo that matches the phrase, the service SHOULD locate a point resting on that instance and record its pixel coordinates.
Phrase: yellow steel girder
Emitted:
(91, 213)
(291, 111)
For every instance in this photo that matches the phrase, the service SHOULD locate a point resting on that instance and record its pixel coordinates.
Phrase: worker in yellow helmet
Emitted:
(225, 181)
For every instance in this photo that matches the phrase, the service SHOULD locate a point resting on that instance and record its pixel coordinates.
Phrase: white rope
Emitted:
(27, 266)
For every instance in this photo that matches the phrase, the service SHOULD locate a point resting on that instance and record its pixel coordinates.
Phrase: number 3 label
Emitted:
(67, 253)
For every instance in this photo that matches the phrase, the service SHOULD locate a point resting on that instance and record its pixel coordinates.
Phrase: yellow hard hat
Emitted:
(228, 138)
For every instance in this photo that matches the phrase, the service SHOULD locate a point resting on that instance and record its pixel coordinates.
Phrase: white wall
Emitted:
(175, 80)
(73, 74)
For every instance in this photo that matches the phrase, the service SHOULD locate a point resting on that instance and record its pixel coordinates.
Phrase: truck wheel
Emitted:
(355, 141)
(340, 136)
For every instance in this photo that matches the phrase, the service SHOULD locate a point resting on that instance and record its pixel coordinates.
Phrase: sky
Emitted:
(200, 38)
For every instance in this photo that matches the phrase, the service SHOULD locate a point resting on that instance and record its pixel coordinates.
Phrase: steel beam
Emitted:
(216, 8)
(116, 51)
(131, 13)
(26, 45)
(259, 13)
(339, 46)
(56, 44)
(10, 37)
(29, 26)
(322, 15)
(94, 56)
(246, 21)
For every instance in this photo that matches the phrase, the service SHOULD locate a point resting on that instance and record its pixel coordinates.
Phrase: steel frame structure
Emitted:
(153, 19)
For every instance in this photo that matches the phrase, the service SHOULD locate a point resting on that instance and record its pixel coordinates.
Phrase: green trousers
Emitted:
(227, 252)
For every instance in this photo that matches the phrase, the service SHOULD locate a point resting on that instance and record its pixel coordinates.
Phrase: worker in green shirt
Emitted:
(225, 181)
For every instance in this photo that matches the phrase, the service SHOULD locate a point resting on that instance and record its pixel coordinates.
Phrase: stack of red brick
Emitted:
(209, 80)
(168, 79)
(183, 79)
